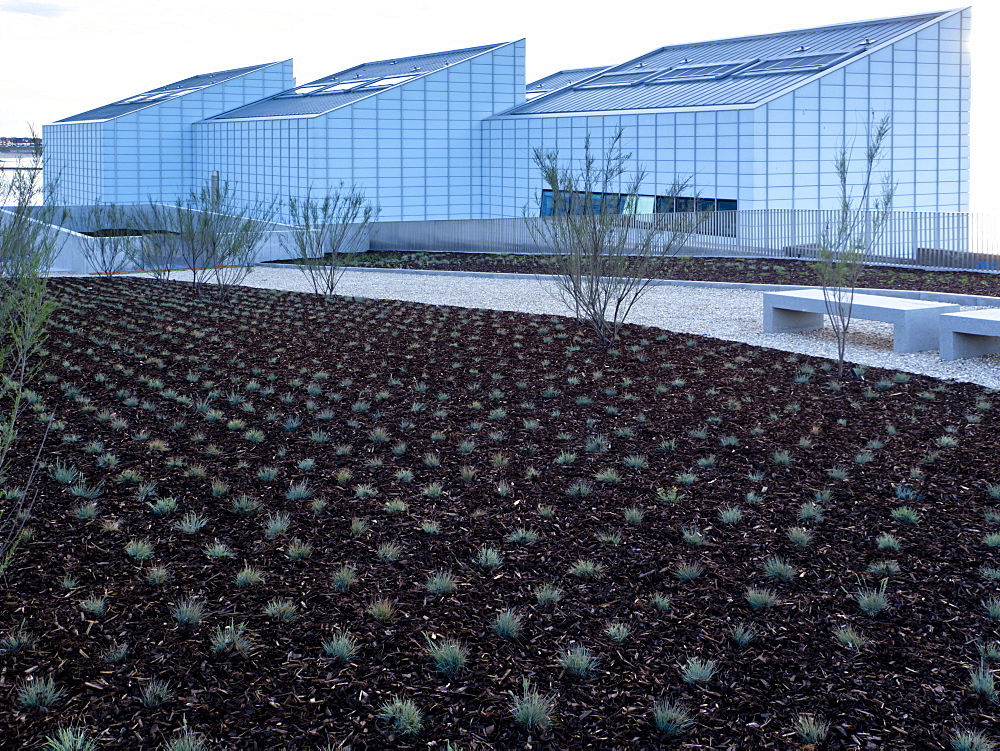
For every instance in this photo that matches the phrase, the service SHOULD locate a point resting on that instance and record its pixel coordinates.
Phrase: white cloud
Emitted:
(33, 8)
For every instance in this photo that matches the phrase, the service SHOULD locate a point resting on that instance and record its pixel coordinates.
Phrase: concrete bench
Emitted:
(915, 322)
(970, 334)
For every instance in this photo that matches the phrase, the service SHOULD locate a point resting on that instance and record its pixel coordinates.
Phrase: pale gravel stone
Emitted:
(730, 314)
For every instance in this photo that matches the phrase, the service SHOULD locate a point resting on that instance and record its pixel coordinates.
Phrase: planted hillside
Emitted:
(285, 521)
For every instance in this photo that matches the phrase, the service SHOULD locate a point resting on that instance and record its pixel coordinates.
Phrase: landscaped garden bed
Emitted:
(752, 270)
(277, 521)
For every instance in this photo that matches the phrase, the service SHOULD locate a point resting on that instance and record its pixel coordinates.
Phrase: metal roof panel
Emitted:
(137, 102)
(744, 86)
(290, 104)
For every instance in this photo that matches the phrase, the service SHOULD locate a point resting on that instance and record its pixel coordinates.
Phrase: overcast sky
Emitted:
(61, 57)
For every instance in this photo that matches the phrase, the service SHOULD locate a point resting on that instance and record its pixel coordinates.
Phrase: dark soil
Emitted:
(475, 421)
(752, 270)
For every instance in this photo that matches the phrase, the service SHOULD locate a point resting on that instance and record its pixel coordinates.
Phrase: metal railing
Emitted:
(945, 240)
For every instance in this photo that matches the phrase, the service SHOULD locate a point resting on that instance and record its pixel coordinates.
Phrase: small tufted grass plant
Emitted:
(906, 515)
(851, 638)
(358, 528)
(800, 536)
(96, 606)
(982, 682)
(522, 536)
(245, 505)
(578, 662)
(69, 738)
(811, 512)
(546, 594)
(341, 646)
(163, 506)
(382, 610)
(448, 655)
(440, 583)
(760, 599)
(634, 515)
(660, 602)
(297, 550)
(617, 631)
(743, 635)
(402, 715)
(688, 572)
(344, 578)
(188, 611)
(276, 525)
(730, 514)
(992, 607)
(191, 523)
(248, 577)
(693, 536)
(697, 670)
(883, 569)
(140, 550)
(388, 552)
(39, 693)
(155, 693)
(507, 624)
(281, 609)
(671, 718)
(585, 568)
(970, 740)
(811, 729)
(18, 639)
(778, 568)
(488, 558)
(872, 601)
(531, 710)
(885, 541)
(218, 550)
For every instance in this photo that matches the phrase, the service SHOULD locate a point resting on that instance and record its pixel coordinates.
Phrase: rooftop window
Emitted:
(796, 64)
(333, 86)
(701, 72)
(156, 96)
(617, 79)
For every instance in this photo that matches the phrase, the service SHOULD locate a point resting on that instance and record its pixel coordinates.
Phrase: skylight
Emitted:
(334, 86)
(796, 64)
(156, 96)
(700, 72)
(617, 79)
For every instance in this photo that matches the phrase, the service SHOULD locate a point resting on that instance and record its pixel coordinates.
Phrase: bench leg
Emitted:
(915, 336)
(955, 345)
(783, 321)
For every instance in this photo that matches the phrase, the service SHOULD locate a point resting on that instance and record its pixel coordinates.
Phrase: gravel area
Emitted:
(731, 314)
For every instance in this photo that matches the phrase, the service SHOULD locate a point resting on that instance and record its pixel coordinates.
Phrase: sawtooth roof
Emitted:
(739, 71)
(161, 94)
(361, 81)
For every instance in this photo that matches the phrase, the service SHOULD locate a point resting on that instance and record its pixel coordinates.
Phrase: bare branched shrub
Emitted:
(606, 256)
(859, 224)
(28, 247)
(327, 232)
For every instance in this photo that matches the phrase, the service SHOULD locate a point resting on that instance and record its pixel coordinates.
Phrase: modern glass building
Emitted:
(753, 122)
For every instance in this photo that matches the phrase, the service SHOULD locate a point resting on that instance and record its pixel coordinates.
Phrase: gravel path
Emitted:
(731, 314)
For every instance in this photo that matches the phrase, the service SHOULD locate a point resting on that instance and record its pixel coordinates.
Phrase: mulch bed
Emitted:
(474, 420)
